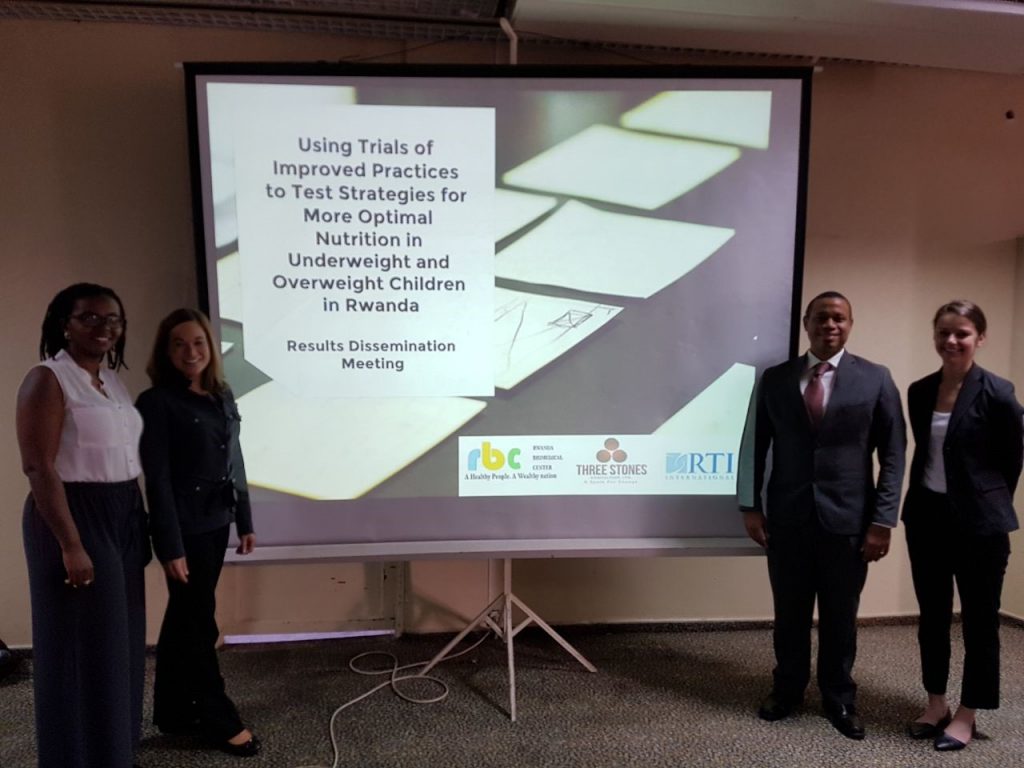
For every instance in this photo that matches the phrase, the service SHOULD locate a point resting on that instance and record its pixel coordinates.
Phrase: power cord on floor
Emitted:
(393, 682)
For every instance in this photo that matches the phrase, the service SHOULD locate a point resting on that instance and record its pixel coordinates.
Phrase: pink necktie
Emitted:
(814, 395)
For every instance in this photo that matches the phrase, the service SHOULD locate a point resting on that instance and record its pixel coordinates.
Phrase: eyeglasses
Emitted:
(92, 320)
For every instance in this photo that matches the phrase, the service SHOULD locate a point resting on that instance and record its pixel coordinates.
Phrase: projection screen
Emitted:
(465, 308)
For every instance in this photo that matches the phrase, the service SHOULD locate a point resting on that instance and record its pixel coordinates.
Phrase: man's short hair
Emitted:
(827, 295)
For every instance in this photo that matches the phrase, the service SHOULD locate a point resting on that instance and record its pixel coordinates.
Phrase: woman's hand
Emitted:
(177, 569)
(246, 543)
(78, 565)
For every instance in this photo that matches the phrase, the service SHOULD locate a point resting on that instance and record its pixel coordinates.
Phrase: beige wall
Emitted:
(1013, 592)
(916, 180)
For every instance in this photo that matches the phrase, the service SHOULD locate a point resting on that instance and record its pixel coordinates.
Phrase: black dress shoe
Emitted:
(847, 722)
(775, 707)
(946, 743)
(919, 730)
(250, 748)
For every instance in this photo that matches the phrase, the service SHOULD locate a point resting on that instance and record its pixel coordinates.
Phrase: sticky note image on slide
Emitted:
(531, 331)
(618, 166)
(229, 287)
(340, 448)
(729, 117)
(718, 412)
(230, 108)
(514, 210)
(591, 250)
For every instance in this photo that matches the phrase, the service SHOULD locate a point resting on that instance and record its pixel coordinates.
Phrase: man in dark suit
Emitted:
(824, 415)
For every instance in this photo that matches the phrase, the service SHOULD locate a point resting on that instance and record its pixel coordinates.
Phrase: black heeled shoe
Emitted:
(919, 730)
(946, 743)
(249, 748)
(9, 661)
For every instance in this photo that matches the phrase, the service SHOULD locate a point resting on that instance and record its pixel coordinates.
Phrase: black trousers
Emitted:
(89, 644)
(942, 552)
(805, 564)
(188, 691)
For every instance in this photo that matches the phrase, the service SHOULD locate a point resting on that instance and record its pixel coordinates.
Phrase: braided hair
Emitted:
(58, 313)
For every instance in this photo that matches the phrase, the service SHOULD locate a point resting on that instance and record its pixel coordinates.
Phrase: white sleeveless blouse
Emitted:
(99, 441)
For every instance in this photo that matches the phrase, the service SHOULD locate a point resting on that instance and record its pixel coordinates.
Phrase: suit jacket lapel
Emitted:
(970, 389)
(922, 407)
(799, 365)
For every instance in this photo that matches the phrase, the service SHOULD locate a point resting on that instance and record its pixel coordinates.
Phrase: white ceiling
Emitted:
(962, 34)
(986, 35)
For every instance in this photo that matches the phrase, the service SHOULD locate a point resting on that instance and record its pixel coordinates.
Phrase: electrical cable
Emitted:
(393, 682)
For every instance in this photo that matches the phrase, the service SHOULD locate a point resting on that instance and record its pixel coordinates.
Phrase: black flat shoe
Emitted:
(919, 730)
(946, 743)
(249, 748)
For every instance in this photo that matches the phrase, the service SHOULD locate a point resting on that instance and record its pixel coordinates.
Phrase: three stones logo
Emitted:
(611, 465)
(611, 452)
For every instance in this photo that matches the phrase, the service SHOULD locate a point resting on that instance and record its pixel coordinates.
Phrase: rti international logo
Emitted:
(612, 461)
(491, 459)
(709, 465)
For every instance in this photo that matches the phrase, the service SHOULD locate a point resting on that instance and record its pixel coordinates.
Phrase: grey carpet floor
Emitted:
(662, 696)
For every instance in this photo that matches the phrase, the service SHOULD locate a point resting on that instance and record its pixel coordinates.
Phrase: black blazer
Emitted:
(983, 451)
(826, 472)
(192, 460)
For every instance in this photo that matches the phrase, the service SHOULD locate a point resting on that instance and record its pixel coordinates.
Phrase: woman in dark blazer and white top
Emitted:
(958, 514)
(196, 486)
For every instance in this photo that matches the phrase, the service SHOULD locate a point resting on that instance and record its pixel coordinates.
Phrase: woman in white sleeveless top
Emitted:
(85, 537)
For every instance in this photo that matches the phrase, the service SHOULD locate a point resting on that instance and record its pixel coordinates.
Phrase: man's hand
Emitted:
(756, 526)
(876, 543)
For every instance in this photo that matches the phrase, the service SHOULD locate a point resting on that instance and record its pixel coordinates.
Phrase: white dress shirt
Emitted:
(827, 378)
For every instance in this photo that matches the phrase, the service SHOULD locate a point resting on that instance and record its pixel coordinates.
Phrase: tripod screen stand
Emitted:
(504, 628)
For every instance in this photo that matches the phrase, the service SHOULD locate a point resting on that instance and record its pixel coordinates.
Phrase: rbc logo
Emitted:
(492, 458)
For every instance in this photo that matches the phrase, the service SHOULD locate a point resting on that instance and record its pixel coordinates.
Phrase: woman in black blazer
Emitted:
(969, 448)
(195, 485)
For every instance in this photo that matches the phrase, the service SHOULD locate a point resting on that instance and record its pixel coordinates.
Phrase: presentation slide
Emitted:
(501, 304)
